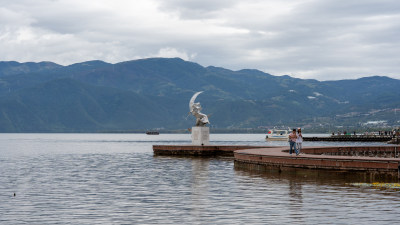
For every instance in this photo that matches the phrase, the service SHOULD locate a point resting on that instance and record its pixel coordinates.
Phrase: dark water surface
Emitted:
(115, 179)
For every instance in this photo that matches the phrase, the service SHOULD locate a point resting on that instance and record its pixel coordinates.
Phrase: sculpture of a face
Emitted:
(197, 106)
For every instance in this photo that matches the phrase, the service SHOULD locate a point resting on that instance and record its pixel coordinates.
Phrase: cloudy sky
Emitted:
(319, 39)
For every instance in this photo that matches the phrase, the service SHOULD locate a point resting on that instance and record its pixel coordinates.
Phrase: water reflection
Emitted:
(295, 193)
(295, 199)
(315, 197)
(200, 174)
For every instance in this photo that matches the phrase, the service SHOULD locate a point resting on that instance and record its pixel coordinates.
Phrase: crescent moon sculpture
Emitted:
(193, 99)
(195, 108)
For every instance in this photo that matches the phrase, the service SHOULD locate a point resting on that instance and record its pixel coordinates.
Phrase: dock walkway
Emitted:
(381, 159)
(200, 150)
(377, 159)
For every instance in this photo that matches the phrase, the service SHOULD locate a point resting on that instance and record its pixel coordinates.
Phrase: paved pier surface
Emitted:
(365, 158)
(381, 159)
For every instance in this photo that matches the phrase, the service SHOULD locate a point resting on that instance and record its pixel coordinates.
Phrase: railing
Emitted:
(360, 138)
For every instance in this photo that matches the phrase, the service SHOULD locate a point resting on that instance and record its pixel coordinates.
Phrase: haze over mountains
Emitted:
(144, 94)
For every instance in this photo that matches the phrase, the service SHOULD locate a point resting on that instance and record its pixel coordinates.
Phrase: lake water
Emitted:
(115, 179)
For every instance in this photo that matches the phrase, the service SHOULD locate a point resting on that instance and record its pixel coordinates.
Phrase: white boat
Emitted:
(277, 135)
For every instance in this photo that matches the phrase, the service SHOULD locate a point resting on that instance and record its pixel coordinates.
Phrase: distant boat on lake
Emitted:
(277, 135)
(152, 132)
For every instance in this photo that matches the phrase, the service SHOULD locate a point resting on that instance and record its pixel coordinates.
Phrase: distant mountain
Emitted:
(13, 68)
(65, 105)
(96, 96)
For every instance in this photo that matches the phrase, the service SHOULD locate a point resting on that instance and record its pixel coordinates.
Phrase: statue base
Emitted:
(200, 135)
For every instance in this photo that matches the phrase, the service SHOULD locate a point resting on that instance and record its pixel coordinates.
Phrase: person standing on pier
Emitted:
(292, 142)
(299, 141)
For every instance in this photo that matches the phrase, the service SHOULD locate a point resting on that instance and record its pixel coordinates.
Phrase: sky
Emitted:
(308, 39)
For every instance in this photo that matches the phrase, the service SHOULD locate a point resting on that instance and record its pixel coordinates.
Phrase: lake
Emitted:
(115, 179)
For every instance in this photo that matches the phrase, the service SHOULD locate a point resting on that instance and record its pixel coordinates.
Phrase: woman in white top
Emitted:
(299, 140)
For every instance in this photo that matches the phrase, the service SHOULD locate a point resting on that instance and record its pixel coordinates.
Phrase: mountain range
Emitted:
(154, 93)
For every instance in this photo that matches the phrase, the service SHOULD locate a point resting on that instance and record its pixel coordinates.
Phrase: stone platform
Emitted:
(366, 158)
(377, 159)
(200, 150)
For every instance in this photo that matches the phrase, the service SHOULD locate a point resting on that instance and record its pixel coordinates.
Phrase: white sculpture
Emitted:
(195, 108)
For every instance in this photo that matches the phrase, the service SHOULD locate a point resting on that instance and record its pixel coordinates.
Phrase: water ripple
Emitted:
(113, 182)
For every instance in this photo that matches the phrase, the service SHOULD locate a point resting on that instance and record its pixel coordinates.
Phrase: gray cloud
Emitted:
(195, 9)
(305, 38)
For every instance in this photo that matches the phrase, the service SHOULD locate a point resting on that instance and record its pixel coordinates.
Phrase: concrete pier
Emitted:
(376, 159)
(381, 159)
(199, 150)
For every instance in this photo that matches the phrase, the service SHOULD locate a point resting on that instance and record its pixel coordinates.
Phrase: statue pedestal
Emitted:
(200, 135)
